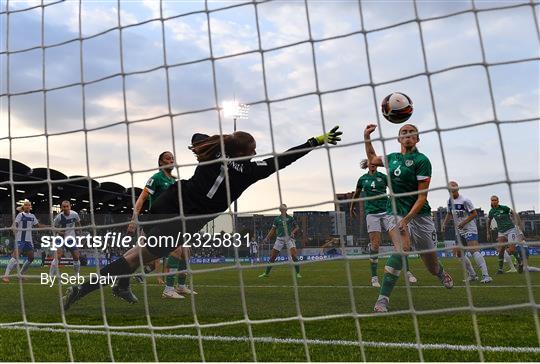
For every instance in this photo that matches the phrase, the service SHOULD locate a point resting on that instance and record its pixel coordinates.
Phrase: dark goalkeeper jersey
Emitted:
(206, 192)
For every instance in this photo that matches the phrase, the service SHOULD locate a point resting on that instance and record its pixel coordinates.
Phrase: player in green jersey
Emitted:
(374, 184)
(509, 260)
(508, 233)
(176, 261)
(285, 227)
(410, 171)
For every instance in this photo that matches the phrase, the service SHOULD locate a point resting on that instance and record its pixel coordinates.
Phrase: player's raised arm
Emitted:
(372, 157)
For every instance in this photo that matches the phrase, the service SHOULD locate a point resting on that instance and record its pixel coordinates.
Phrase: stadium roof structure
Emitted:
(107, 197)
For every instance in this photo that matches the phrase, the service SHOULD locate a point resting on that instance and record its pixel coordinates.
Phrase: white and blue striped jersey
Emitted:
(460, 209)
(67, 222)
(25, 222)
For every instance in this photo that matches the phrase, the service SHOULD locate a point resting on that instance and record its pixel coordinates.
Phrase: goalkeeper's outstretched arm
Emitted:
(264, 168)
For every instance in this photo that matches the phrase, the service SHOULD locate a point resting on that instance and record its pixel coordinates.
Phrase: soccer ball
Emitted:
(397, 107)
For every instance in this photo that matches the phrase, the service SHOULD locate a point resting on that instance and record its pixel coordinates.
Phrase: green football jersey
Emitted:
(501, 214)
(281, 224)
(406, 170)
(158, 183)
(374, 185)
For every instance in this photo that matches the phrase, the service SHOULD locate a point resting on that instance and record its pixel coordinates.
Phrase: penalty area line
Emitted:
(412, 286)
(273, 340)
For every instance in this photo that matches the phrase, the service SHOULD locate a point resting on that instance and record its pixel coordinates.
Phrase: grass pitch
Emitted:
(323, 291)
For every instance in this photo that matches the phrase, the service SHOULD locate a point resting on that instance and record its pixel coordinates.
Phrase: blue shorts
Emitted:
(70, 244)
(23, 246)
(466, 237)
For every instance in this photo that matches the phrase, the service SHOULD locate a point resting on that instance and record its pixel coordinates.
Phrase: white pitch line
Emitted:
(315, 286)
(364, 287)
(273, 340)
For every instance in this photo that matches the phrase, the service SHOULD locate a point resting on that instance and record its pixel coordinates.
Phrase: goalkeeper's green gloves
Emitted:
(332, 137)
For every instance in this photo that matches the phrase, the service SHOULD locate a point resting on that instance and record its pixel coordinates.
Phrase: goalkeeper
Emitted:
(215, 184)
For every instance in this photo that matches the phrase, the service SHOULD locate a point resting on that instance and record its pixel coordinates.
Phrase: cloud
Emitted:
(515, 95)
(290, 71)
(322, 15)
(387, 13)
(233, 31)
(282, 23)
(153, 6)
(188, 37)
(514, 101)
(330, 68)
(521, 104)
(500, 43)
(461, 97)
(442, 42)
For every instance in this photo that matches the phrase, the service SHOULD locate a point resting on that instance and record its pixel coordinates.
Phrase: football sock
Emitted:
(182, 266)
(501, 259)
(54, 267)
(172, 263)
(392, 269)
(517, 255)
(481, 262)
(169, 280)
(374, 261)
(296, 266)
(508, 260)
(12, 264)
(440, 273)
(468, 266)
(269, 267)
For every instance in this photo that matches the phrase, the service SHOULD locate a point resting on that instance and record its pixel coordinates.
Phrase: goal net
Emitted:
(92, 92)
